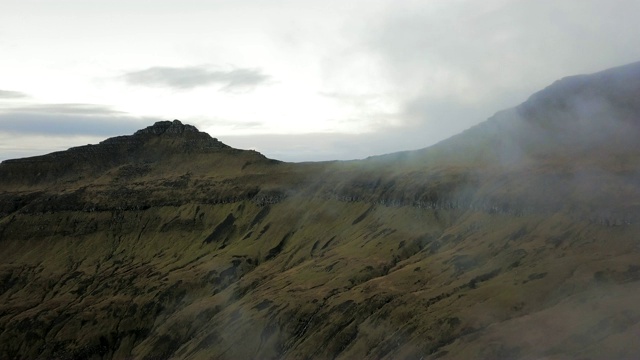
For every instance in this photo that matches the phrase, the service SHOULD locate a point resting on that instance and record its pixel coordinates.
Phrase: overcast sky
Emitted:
(295, 80)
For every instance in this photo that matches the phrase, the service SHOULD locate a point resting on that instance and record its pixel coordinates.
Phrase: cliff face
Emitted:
(514, 239)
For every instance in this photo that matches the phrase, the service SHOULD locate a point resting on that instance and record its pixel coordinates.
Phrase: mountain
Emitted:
(517, 238)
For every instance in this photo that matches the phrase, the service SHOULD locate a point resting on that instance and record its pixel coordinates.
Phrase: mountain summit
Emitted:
(517, 238)
(183, 136)
(174, 127)
(157, 146)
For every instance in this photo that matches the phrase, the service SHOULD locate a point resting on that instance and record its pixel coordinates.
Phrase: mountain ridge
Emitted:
(163, 141)
(161, 130)
(577, 85)
(612, 89)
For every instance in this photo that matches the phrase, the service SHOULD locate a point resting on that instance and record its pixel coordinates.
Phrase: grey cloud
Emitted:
(69, 120)
(236, 125)
(469, 60)
(70, 124)
(332, 146)
(362, 101)
(435, 118)
(349, 97)
(248, 125)
(445, 117)
(492, 43)
(194, 76)
(7, 94)
(67, 109)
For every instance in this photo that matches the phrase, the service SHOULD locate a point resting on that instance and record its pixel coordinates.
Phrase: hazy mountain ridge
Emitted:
(516, 239)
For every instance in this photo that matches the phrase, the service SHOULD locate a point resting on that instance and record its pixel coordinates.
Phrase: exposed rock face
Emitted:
(192, 139)
(174, 127)
(515, 239)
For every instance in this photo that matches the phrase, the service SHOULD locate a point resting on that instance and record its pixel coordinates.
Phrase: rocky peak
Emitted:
(174, 131)
(174, 127)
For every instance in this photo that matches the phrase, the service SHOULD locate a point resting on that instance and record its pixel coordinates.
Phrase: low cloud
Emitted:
(71, 125)
(190, 77)
(448, 65)
(7, 94)
(69, 120)
(63, 109)
(352, 99)
(332, 146)
(14, 146)
(234, 125)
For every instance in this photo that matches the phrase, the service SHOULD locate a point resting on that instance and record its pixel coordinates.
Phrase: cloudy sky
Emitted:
(295, 80)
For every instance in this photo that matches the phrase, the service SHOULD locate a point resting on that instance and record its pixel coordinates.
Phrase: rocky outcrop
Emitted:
(174, 127)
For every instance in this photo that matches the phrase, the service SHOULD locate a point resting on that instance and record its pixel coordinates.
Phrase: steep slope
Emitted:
(573, 144)
(515, 239)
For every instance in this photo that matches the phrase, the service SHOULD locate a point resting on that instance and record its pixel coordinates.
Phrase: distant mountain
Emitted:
(517, 238)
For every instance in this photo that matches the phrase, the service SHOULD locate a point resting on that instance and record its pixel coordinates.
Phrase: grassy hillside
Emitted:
(314, 278)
